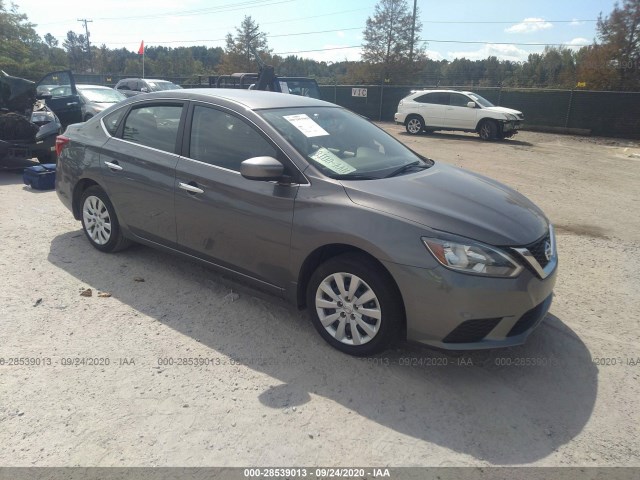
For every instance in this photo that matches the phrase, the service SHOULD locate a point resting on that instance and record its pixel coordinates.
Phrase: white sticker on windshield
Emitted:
(307, 126)
(335, 164)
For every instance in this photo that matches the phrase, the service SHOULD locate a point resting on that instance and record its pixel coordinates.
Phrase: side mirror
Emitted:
(262, 168)
(471, 104)
(144, 90)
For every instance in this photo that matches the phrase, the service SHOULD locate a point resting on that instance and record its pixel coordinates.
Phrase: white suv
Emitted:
(430, 110)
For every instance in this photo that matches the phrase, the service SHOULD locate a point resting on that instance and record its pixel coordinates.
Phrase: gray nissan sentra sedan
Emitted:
(316, 204)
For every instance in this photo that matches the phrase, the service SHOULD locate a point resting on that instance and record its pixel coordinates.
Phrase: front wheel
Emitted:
(99, 221)
(414, 125)
(488, 130)
(354, 304)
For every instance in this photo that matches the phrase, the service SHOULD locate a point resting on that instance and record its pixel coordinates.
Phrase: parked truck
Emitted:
(266, 79)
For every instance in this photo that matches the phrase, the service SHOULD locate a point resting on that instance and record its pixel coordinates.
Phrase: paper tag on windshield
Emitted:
(308, 127)
(335, 164)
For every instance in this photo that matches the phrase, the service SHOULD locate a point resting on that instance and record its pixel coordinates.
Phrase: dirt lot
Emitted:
(274, 393)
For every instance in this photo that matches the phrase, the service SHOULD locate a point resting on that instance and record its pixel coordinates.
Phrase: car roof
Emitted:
(86, 85)
(145, 79)
(251, 99)
(414, 92)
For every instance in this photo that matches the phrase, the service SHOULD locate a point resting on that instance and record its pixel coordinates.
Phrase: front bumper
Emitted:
(512, 126)
(455, 311)
(399, 117)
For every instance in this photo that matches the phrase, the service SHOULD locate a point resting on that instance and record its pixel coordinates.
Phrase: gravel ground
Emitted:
(273, 393)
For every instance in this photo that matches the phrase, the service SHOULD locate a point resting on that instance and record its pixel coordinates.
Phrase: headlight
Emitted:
(472, 257)
(511, 116)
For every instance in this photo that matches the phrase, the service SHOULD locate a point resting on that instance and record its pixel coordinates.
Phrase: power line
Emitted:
(317, 16)
(504, 22)
(507, 43)
(319, 50)
(221, 39)
(449, 41)
(360, 46)
(228, 7)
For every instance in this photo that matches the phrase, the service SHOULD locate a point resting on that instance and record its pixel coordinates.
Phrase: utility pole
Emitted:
(86, 29)
(413, 29)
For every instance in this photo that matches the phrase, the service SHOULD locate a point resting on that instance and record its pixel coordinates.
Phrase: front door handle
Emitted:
(113, 166)
(190, 188)
(71, 103)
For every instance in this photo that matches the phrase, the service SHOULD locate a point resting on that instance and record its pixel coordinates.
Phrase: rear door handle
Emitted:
(190, 188)
(71, 103)
(113, 166)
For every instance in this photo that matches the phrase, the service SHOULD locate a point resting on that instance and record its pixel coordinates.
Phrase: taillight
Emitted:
(61, 142)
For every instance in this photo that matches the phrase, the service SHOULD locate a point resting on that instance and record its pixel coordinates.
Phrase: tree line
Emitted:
(392, 53)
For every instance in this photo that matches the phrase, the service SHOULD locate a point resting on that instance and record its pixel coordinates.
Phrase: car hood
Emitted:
(100, 105)
(456, 201)
(503, 110)
(16, 94)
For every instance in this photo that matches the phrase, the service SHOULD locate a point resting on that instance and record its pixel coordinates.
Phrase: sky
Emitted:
(325, 30)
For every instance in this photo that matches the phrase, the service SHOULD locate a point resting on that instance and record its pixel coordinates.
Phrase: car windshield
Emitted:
(304, 88)
(343, 145)
(101, 95)
(481, 100)
(163, 85)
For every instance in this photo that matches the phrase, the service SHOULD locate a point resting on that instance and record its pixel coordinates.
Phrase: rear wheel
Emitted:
(354, 305)
(414, 125)
(488, 130)
(99, 221)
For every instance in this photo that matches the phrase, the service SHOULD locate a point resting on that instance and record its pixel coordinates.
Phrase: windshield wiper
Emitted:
(354, 176)
(406, 167)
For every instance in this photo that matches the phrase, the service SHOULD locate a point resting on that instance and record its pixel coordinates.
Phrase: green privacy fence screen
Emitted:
(602, 113)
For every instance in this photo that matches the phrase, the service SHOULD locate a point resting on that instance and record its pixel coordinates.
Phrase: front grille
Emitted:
(471, 330)
(531, 318)
(537, 250)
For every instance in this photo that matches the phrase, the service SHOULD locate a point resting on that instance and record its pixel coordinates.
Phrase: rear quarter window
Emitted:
(438, 98)
(112, 121)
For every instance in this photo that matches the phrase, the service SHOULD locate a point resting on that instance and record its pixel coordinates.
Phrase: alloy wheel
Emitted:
(97, 220)
(348, 308)
(414, 126)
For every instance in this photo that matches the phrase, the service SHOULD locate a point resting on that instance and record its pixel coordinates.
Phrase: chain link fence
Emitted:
(610, 114)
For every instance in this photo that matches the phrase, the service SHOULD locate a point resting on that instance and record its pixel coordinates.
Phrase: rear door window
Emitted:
(155, 126)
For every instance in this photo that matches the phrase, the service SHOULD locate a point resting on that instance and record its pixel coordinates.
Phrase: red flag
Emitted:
(141, 49)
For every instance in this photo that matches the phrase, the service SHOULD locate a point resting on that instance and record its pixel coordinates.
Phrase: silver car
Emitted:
(95, 98)
(314, 203)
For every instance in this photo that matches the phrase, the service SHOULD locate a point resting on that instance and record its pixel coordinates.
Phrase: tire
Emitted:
(99, 221)
(374, 292)
(414, 125)
(488, 130)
